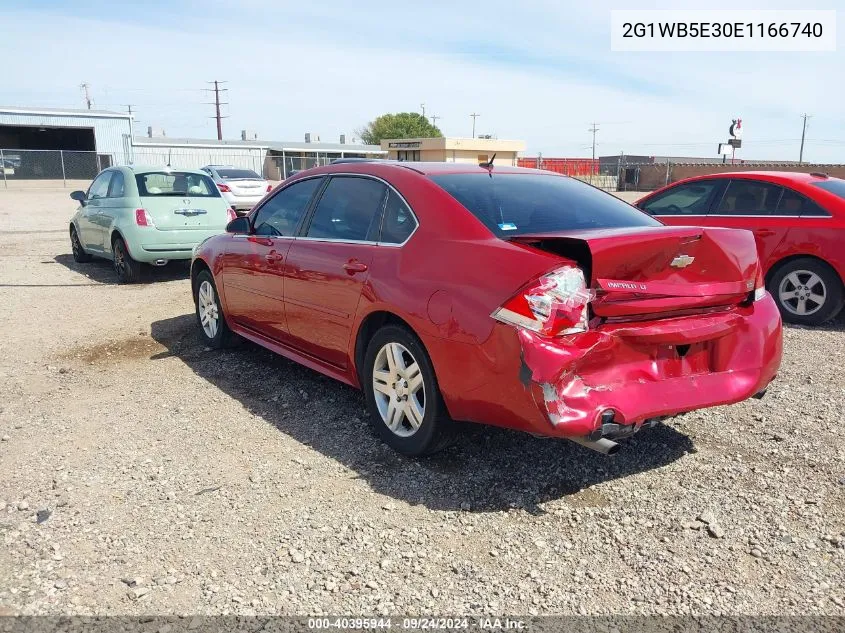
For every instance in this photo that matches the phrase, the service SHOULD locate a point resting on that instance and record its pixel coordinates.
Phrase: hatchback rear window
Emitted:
(836, 186)
(228, 174)
(520, 204)
(176, 183)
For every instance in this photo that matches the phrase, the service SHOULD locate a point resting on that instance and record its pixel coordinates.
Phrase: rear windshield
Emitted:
(176, 183)
(836, 186)
(238, 173)
(520, 204)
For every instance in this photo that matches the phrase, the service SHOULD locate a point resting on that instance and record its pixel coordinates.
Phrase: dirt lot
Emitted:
(141, 472)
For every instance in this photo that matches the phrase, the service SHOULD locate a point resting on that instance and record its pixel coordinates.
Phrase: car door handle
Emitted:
(273, 257)
(353, 267)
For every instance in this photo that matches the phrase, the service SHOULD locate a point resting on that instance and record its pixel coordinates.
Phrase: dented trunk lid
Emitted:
(652, 270)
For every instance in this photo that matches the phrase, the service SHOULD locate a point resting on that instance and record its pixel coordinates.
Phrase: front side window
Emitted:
(750, 197)
(100, 187)
(349, 210)
(692, 198)
(176, 183)
(398, 222)
(117, 188)
(522, 204)
(281, 214)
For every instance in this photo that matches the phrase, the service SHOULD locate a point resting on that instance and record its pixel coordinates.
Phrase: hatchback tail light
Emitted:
(759, 284)
(224, 188)
(555, 304)
(143, 218)
(231, 215)
(269, 188)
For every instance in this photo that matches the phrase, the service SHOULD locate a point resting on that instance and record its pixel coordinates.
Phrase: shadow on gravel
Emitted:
(834, 325)
(489, 469)
(102, 271)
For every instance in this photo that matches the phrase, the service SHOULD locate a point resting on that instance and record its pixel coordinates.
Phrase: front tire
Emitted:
(807, 291)
(79, 254)
(403, 399)
(128, 270)
(213, 328)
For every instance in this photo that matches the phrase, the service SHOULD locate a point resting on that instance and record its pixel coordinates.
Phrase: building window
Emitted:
(408, 154)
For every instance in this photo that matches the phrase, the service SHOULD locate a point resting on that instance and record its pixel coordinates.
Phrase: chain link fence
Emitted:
(19, 166)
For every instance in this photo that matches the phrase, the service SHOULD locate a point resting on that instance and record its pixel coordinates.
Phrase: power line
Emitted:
(217, 103)
(804, 116)
(434, 118)
(474, 117)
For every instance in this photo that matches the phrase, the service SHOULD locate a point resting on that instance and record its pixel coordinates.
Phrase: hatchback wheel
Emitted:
(128, 270)
(405, 405)
(213, 328)
(79, 254)
(807, 291)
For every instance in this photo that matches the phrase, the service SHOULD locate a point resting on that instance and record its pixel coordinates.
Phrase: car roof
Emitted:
(771, 176)
(145, 169)
(425, 168)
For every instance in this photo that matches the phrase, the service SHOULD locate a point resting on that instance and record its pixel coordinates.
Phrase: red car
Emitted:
(798, 221)
(514, 297)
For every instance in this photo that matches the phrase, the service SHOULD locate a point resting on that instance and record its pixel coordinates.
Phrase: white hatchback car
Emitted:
(241, 188)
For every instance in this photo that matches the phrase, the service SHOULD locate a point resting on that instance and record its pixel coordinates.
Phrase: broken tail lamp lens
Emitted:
(556, 304)
(143, 218)
(759, 285)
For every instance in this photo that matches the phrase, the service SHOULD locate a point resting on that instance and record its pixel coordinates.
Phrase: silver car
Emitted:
(241, 188)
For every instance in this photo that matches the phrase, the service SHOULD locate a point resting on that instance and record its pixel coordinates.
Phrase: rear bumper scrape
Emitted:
(651, 369)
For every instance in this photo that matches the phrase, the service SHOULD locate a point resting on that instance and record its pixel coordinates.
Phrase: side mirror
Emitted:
(238, 226)
(79, 196)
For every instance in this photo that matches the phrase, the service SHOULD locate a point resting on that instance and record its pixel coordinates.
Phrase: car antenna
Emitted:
(489, 163)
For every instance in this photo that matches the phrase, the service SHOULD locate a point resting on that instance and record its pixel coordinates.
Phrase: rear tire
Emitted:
(807, 291)
(79, 254)
(128, 270)
(214, 330)
(403, 399)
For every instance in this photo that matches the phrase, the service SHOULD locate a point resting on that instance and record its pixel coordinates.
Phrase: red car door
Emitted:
(253, 266)
(327, 267)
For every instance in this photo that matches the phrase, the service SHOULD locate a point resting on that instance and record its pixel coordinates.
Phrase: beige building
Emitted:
(453, 150)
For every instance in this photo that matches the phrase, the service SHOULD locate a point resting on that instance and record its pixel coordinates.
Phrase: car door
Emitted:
(686, 204)
(327, 267)
(90, 230)
(252, 266)
(111, 206)
(757, 206)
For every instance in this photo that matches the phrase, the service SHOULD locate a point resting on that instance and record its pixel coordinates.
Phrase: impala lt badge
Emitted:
(682, 261)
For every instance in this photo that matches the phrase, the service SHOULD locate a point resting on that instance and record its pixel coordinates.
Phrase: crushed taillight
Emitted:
(230, 214)
(143, 218)
(224, 188)
(269, 188)
(557, 303)
(759, 284)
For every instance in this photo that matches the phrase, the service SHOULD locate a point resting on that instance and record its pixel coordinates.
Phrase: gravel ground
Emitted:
(141, 472)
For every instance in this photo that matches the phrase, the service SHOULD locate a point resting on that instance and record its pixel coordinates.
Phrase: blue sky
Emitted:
(540, 70)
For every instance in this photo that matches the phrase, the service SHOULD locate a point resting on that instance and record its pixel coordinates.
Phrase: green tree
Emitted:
(399, 125)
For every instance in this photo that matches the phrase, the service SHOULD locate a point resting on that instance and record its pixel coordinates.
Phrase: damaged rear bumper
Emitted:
(635, 372)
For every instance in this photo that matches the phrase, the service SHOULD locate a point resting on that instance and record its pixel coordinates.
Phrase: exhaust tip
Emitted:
(612, 450)
(160, 262)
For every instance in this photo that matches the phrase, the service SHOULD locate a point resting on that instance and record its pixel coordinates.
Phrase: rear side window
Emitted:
(750, 197)
(176, 183)
(281, 214)
(793, 203)
(399, 222)
(349, 210)
(692, 198)
(521, 204)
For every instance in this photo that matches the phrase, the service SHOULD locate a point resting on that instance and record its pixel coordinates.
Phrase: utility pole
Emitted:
(217, 103)
(434, 118)
(594, 129)
(804, 116)
(87, 95)
(474, 117)
(422, 105)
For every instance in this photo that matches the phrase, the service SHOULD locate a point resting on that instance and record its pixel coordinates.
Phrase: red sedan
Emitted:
(499, 295)
(798, 221)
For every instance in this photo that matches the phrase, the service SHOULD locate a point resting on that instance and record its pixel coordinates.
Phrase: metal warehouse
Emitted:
(275, 160)
(52, 143)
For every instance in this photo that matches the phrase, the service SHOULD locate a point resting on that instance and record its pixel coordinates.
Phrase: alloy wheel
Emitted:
(399, 389)
(207, 307)
(74, 244)
(802, 292)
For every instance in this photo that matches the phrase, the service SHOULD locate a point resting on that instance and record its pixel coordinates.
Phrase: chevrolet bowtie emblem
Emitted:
(682, 261)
